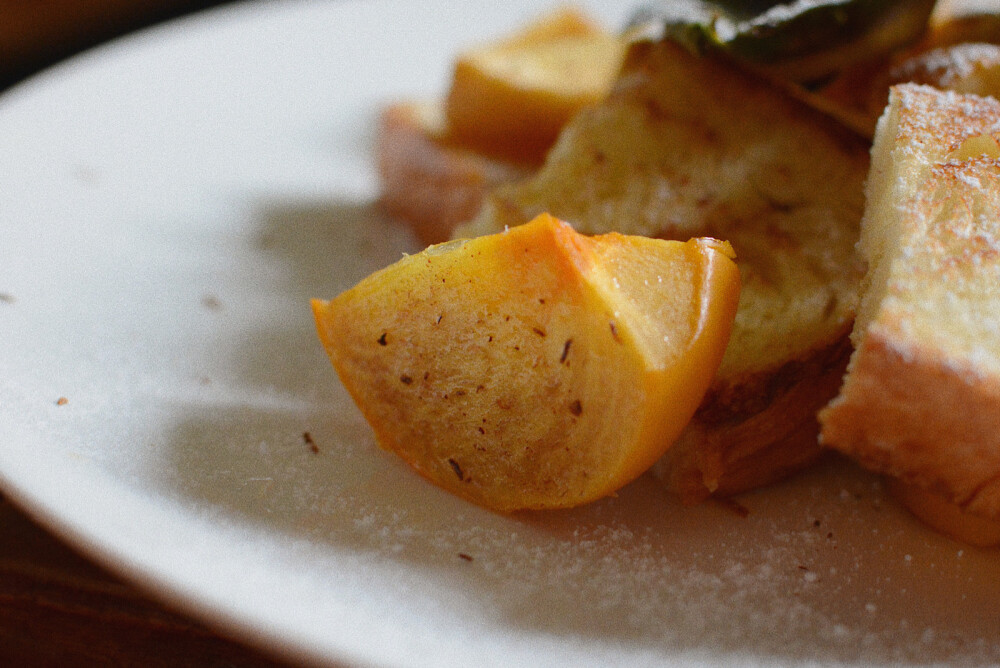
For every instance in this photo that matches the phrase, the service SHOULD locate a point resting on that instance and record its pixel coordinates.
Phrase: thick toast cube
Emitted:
(921, 400)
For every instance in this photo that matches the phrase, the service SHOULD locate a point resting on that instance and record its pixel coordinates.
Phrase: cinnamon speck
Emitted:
(62, 401)
(457, 469)
(405, 380)
(307, 437)
(614, 332)
(382, 340)
(211, 302)
(576, 408)
(464, 557)
(565, 351)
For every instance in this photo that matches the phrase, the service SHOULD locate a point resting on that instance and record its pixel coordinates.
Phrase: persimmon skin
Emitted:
(537, 367)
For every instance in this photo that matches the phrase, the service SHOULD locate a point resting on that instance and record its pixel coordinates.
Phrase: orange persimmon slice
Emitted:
(511, 98)
(536, 367)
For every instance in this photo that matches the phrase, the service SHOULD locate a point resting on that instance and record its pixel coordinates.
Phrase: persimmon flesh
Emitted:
(510, 98)
(535, 367)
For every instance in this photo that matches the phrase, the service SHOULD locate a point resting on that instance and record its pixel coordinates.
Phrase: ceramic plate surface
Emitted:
(168, 205)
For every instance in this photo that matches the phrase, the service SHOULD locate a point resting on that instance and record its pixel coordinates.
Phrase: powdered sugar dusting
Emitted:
(950, 67)
(824, 568)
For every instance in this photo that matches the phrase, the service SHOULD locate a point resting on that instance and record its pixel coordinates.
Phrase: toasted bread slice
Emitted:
(426, 178)
(964, 68)
(971, 67)
(689, 145)
(921, 400)
(862, 92)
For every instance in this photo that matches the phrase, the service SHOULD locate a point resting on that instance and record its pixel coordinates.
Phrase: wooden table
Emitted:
(57, 608)
(37, 33)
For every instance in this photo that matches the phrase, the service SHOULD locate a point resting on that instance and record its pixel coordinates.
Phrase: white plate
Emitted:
(168, 205)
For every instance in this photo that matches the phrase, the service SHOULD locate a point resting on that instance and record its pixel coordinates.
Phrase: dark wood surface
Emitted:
(56, 607)
(59, 609)
(38, 33)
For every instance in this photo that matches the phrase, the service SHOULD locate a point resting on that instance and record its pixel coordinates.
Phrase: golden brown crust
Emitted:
(910, 415)
(757, 432)
(941, 121)
(427, 181)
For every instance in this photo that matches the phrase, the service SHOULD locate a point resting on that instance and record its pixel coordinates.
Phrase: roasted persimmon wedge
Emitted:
(536, 367)
(510, 98)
